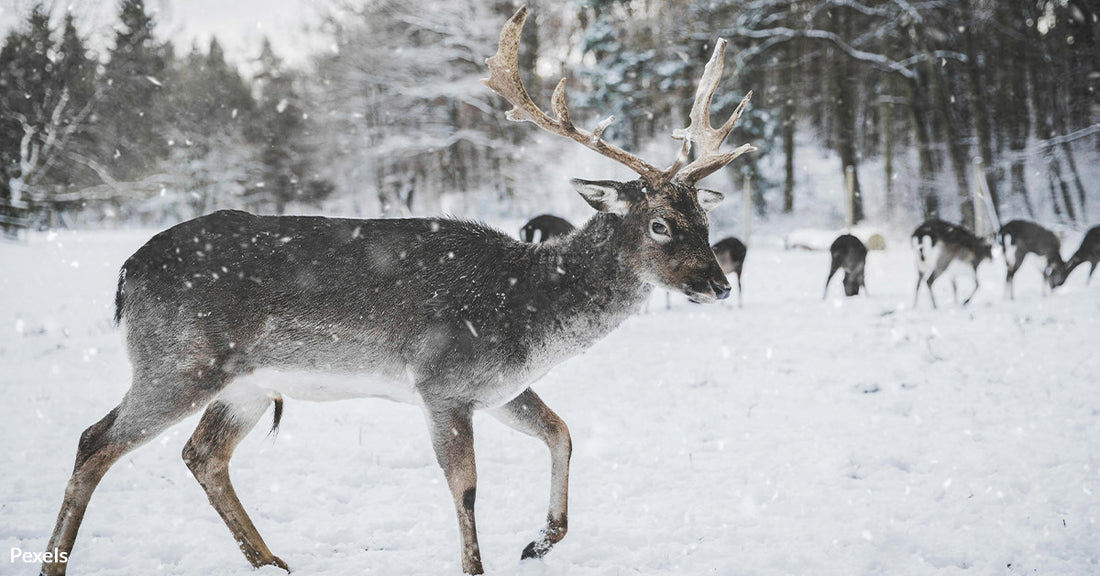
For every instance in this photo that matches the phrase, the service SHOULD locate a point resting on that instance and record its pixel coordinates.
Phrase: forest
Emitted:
(914, 105)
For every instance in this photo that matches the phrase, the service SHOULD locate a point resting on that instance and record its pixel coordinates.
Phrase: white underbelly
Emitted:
(326, 386)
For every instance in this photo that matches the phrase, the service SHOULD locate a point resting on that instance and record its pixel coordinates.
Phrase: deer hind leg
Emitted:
(929, 282)
(141, 416)
(528, 414)
(1014, 263)
(227, 420)
(453, 440)
(1092, 268)
(975, 290)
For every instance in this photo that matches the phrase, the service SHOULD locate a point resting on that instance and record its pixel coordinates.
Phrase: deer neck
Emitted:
(592, 272)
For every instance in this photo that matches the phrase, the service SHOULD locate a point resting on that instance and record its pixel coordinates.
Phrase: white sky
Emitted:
(238, 24)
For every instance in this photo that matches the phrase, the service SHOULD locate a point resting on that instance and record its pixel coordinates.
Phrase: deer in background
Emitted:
(849, 253)
(547, 225)
(1020, 238)
(229, 312)
(731, 257)
(938, 245)
(1088, 252)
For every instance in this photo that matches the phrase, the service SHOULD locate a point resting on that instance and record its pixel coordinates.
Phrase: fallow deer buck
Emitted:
(230, 311)
(848, 253)
(940, 244)
(547, 226)
(1020, 238)
(1089, 251)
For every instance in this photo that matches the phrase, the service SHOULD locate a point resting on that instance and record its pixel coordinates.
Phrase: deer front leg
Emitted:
(829, 278)
(453, 440)
(528, 414)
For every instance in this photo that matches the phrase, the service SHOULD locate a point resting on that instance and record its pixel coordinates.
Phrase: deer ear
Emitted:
(603, 195)
(709, 199)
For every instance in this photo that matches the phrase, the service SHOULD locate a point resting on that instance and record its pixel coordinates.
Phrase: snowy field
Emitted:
(793, 436)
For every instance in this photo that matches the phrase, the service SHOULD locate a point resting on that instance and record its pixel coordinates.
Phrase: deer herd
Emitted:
(230, 312)
(938, 246)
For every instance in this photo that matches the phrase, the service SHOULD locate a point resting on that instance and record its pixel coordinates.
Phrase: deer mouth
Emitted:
(707, 292)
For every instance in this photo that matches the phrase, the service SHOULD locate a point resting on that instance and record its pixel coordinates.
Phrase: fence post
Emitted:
(977, 198)
(850, 195)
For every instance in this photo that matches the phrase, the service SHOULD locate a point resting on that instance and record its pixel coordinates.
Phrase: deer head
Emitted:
(663, 212)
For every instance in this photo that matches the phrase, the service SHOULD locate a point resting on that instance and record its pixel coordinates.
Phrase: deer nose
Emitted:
(721, 289)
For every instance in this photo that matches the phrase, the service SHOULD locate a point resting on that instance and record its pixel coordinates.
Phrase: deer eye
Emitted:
(659, 228)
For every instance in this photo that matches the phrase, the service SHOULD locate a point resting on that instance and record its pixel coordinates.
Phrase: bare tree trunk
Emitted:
(925, 187)
(1067, 149)
(844, 96)
(886, 110)
(979, 111)
(788, 163)
(956, 151)
(789, 111)
(1013, 111)
(1054, 168)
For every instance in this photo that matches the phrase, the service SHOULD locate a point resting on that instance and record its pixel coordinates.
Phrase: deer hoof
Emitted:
(536, 549)
(549, 536)
(276, 561)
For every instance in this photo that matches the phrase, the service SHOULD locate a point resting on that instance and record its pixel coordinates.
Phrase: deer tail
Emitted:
(278, 417)
(120, 295)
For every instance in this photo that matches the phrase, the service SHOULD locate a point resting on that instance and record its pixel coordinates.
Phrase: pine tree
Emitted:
(132, 83)
(279, 128)
(46, 100)
(205, 124)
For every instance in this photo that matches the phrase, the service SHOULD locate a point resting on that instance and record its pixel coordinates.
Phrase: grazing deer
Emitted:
(547, 225)
(849, 253)
(230, 311)
(938, 245)
(731, 257)
(1088, 252)
(1020, 238)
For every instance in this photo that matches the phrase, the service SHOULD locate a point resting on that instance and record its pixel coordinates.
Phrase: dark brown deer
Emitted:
(548, 226)
(230, 311)
(731, 257)
(1088, 252)
(938, 245)
(1020, 238)
(849, 253)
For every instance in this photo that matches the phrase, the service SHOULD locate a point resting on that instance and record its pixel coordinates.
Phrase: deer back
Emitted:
(1089, 251)
(1031, 237)
(731, 254)
(939, 242)
(422, 299)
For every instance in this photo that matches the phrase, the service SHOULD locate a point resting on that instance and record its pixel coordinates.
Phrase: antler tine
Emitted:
(701, 133)
(504, 80)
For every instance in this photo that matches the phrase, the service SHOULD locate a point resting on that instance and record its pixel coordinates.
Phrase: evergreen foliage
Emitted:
(392, 119)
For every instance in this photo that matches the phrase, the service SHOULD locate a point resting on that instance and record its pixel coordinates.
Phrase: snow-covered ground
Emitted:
(793, 436)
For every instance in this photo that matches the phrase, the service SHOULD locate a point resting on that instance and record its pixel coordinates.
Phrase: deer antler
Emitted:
(504, 80)
(701, 133)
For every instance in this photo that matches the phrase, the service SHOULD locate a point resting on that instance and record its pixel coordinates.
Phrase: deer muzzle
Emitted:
(711, 288)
